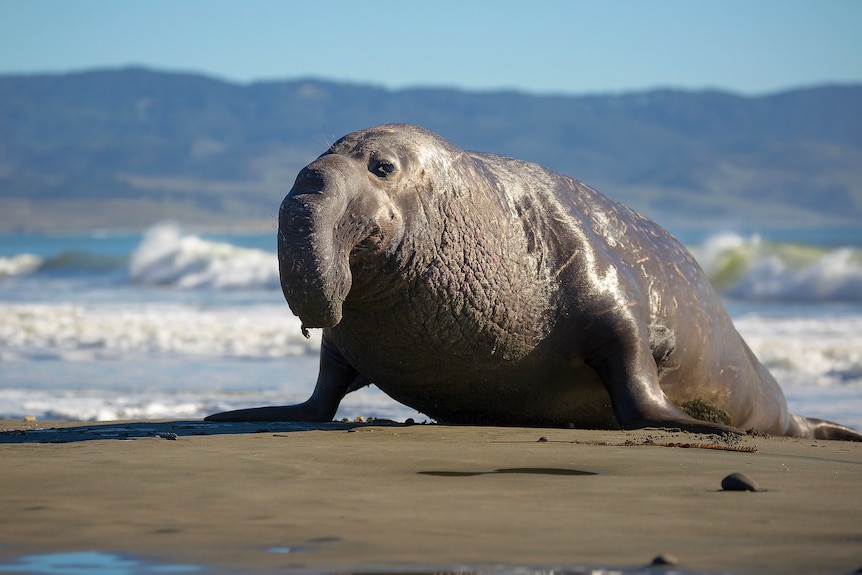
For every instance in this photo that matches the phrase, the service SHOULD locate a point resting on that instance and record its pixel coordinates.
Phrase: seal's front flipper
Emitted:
(301, 412)
(628, 371)
(335, 379)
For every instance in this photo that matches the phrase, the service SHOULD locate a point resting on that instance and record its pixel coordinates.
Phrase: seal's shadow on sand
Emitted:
(172, 430)
(513, 470)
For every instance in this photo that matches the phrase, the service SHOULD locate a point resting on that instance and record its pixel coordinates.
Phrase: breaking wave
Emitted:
(168, 257)
(19, 265)
(74, 263)
(753, 269)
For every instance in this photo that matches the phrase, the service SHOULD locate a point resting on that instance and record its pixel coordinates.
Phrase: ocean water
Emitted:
(171, 324)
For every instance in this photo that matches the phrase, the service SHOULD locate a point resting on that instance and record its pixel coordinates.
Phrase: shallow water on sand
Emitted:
(102, 563)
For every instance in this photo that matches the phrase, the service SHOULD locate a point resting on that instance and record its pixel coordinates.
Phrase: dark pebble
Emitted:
(170, 436)
(665, 559)
(739, 482)
(543, 439)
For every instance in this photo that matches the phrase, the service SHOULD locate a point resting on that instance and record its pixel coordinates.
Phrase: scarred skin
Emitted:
(482, 289)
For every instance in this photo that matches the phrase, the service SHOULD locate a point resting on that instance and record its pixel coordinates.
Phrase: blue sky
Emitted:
(746, 46)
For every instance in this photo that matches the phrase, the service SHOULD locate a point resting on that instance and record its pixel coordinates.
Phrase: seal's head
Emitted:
(346, 213)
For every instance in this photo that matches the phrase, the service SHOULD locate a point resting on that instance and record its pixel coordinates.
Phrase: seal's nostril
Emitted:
(308, 181)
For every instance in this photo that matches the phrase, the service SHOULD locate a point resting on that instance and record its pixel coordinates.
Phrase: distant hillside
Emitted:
(126, 148)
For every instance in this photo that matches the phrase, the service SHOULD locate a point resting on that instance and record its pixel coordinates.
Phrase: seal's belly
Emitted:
(474, 375)
(533, 391)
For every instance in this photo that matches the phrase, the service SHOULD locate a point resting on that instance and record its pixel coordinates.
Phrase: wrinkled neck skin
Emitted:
(466, 277)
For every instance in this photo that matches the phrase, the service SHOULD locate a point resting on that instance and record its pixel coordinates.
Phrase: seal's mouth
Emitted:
(329, 314)
(329, 317)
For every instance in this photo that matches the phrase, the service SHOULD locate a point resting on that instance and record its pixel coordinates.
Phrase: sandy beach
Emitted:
(265, 498)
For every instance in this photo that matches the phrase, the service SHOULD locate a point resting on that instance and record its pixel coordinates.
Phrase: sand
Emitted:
(361, 498)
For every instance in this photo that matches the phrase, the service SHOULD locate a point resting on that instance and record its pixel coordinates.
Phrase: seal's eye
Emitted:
(381, 168)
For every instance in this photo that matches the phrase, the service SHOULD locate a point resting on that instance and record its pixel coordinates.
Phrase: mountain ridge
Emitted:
(129, 147)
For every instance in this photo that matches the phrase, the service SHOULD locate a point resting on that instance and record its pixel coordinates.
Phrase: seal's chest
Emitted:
(422, 343)
(450, 328)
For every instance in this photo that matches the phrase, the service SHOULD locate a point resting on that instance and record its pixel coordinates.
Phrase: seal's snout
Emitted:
(313, 265)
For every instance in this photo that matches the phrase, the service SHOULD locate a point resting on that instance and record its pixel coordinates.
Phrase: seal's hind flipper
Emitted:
(822, 429)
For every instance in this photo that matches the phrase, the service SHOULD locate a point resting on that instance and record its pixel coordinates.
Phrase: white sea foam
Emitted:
(15, 404)
(167, 256)
(82, 332)
(170, 388)
(799, 350)
(95, 406)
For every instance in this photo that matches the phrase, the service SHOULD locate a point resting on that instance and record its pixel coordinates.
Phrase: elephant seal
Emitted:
(482, 289)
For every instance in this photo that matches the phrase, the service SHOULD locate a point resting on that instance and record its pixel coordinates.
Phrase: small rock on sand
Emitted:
(665, 559)
(739, 482)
